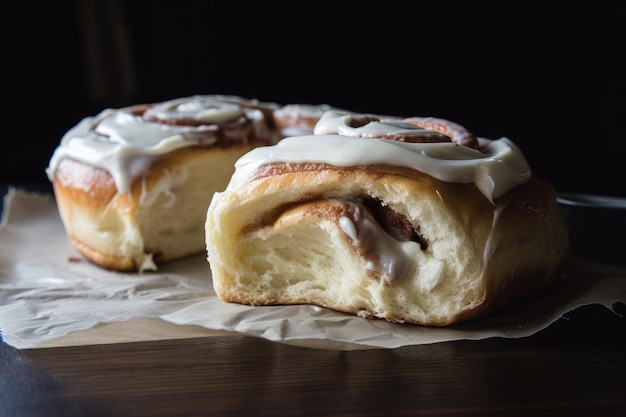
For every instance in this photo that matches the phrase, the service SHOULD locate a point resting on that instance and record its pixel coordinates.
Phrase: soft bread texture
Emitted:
(282, 238)
(159, 220)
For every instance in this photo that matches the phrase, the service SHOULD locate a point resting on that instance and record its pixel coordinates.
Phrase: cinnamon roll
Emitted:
(133, 184)
(420, 229)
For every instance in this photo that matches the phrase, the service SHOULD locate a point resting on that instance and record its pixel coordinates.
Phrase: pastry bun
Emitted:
(430, 233)
(133, 184)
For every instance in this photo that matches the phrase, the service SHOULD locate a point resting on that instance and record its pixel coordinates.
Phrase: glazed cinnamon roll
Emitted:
(419, 229)
(133, 184)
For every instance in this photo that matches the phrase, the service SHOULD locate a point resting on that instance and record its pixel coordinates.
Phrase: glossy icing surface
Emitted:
(125, 141)
(355, 125)
(495, 169)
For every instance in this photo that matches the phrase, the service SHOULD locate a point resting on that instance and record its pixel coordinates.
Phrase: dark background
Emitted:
(551, 77)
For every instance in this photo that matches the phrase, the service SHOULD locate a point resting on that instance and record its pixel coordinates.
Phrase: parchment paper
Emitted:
(50, 296)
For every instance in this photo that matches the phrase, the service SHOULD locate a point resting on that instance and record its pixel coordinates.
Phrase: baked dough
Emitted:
(426, 233)
(133, 184)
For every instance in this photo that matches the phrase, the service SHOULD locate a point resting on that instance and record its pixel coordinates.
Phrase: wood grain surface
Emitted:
(575, 367)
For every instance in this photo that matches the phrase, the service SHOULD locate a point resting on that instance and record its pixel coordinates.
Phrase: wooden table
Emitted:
(575, 367)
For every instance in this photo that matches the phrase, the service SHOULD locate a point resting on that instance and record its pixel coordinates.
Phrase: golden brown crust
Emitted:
(82, 191)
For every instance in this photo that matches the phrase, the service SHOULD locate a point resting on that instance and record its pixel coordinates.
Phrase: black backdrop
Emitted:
(550, 77)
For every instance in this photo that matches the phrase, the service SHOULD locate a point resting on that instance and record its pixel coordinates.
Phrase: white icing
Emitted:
(171, 180)
(202, 109)
(498, 167)
(335, 122)
(125, 144)
(348, 227)
(389, 258)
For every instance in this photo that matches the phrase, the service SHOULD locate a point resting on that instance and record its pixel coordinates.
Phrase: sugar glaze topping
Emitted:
(364, 126)
(409, 129)
(495, 169)
(125, 141)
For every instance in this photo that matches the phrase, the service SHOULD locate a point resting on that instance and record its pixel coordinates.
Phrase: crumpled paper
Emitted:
(48, 292)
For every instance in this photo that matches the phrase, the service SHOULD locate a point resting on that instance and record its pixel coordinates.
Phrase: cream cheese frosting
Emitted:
(334, 122)
(124, 142)
(495, 169)
(393, 258)
(409, 129)
(347, 139)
